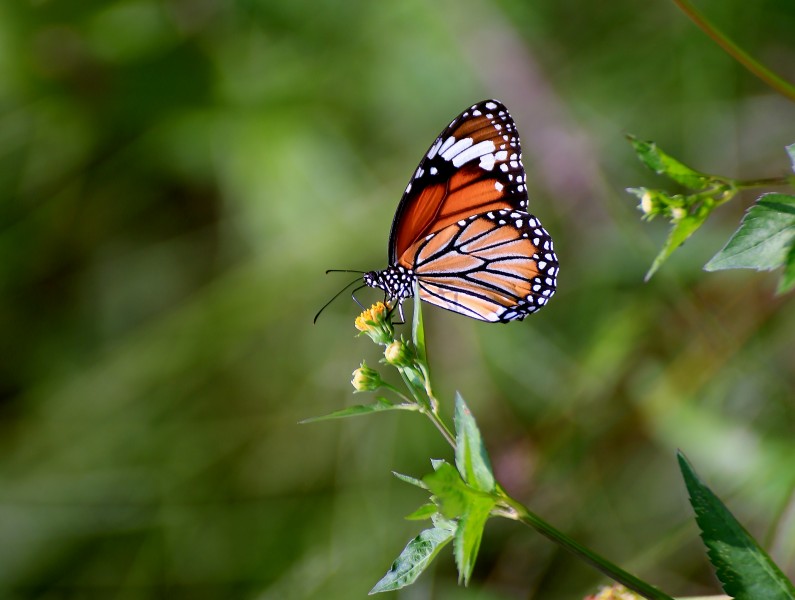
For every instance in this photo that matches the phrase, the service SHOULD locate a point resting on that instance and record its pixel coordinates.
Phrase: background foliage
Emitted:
(177, 174)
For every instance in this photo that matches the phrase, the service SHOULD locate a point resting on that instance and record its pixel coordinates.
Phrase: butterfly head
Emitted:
(397, 282)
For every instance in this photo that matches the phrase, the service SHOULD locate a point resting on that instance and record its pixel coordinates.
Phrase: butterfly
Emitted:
(462, 232)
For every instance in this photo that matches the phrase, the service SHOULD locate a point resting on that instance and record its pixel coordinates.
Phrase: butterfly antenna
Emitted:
(344, 271)
(338, 293)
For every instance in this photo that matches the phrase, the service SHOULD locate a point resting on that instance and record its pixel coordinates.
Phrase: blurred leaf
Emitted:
(381, 405)
(469, 534)
(458, 500)
(764, 239)
(409, 479)
(414, 559)
(681, 230)
(426, 511)
(663, 164)
(791, 152)
(471, 456)
(743, 567)
(449, 489)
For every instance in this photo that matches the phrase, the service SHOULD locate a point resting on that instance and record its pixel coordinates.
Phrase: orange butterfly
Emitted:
(462, 230)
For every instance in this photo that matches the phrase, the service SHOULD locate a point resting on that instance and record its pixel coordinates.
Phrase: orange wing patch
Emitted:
(483, 309)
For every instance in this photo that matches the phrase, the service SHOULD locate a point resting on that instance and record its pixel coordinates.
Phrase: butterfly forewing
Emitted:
(473, 167)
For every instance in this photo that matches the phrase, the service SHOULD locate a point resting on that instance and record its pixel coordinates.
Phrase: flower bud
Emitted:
(646, 203)
(366, 379)
(399, 354)
(678, 213)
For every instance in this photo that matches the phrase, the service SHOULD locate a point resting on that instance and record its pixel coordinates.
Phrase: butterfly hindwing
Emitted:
(495, 267)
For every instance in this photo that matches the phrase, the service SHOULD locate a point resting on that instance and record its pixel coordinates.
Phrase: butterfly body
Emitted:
(462, 231)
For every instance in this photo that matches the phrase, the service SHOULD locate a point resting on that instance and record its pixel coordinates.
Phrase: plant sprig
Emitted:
(765, 239)
(464, 494)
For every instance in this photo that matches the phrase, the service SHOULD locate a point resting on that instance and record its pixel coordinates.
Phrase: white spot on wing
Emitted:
(435, 148)
(487, 162)
(484, 147)
(453, 151)
(443, 148)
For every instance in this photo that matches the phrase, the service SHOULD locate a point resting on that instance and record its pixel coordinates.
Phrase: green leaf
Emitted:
(743, 567)
(414, 559)
(450, 491)
(410, 479)
(417, 327)
(426, 511)
(471, 457)
(764, 239)
(791, 153)
(681, 230)
(469, 533)
(663, 164)
(381, 405)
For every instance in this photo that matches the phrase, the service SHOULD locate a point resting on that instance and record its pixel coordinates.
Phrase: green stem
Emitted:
(768, 182)
(397, 392)
(769, 77)
(520, 513)
(441, 426)
(428, 406)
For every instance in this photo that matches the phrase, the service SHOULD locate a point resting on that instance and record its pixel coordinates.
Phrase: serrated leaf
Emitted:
(791, 153)
(471, 457)
(450, 491)
(743, 567)
(663, 164)
(426, 511)
(381, 404)
(764, 239)
(679, 233)
(414, 559)
(468, 535)
(410, 479)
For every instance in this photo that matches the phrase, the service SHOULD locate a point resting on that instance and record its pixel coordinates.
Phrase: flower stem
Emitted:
(769, 77)
(520, 513)
(765, 182)
(441, 426)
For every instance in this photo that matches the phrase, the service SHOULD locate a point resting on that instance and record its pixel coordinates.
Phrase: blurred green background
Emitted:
(176, 175)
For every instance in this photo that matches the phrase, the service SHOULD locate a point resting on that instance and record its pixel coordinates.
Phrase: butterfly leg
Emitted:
(355, 299)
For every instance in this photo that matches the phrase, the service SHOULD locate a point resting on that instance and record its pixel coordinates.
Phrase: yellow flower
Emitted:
(370, 317)
(376, 323)
(614, 592)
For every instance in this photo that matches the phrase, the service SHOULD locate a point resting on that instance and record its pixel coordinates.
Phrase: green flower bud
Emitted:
(366, 379)
(678, 213)
(646, 203)
(399, 354)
